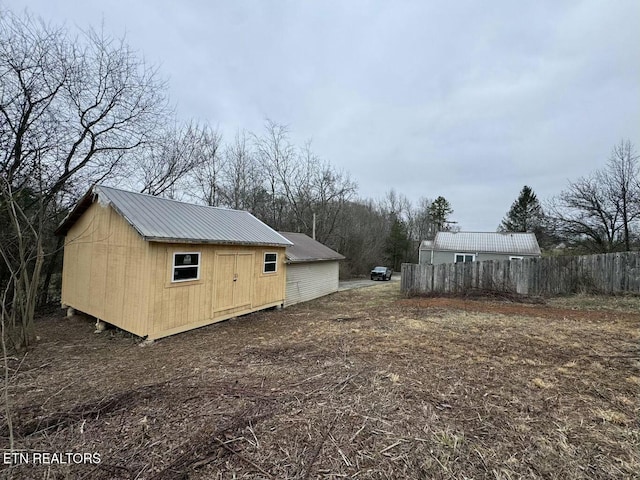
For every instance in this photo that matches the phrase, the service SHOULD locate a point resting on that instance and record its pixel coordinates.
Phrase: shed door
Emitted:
(244, 277)
(233, 280)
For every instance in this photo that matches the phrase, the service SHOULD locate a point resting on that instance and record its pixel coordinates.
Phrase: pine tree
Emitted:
(525, 215)
(440, 210)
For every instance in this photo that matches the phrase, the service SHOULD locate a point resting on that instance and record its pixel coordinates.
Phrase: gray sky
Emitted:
(469, 100)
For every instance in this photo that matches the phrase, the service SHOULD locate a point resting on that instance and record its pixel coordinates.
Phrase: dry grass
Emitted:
(619, 303)
(361, 384)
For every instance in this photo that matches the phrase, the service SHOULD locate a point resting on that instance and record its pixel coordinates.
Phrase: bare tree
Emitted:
(242, 179)
(419, 220)
(71, 109)
(174, 158)
(621, 178)
(598, 212)
(395, 203)
(587, 216)
(276, 156)
(334, 190)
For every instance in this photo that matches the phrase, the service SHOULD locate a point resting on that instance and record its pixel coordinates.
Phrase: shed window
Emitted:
(186, 266)
(270, 262)
(464, 257)
(515, 257)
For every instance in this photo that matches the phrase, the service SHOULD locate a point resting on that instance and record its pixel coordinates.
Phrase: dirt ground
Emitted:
(360, 384)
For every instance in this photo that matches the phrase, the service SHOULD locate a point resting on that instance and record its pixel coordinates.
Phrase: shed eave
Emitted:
(212, 242)
(313, 260)
(76, 212)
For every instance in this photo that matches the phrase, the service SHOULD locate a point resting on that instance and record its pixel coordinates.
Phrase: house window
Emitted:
(464, 257)
(270, 262)
(186, 266)
(514, 257)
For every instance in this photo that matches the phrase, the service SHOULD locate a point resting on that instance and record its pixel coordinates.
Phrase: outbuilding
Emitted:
(312, 269)
(155, 267)
(454, 247)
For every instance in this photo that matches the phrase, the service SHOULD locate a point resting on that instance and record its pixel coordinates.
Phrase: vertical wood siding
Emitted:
(105, 270)
(609, 273)
(111, 273)
(177, 307)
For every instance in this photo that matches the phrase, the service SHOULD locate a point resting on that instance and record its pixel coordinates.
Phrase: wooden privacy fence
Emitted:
(608, 273)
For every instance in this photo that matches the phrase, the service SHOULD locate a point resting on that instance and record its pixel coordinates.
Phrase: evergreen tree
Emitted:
(440, 210)
(525, 215)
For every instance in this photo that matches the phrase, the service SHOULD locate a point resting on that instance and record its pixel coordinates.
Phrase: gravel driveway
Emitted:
(364, 282)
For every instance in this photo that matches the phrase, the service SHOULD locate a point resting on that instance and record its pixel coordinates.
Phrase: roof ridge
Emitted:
(171, 199)
(176, 221)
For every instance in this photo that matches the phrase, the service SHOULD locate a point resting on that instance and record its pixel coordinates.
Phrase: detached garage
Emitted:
(312, 269)
(156, 267)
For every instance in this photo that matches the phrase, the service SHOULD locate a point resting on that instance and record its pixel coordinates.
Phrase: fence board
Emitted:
(608, 273)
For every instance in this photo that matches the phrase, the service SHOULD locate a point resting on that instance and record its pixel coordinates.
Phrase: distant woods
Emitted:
(80, 108)
(287, 186)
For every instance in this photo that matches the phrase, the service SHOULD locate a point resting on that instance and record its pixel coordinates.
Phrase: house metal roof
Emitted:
(163, 220)
(484, 242)
(306, 249)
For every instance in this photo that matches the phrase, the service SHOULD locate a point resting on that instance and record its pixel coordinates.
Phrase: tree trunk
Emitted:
(51, 267)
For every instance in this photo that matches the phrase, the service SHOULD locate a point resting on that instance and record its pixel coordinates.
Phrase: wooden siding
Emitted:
(306, 281)
(105, 270)
(610, 273)
(215, 296)
(111, 273)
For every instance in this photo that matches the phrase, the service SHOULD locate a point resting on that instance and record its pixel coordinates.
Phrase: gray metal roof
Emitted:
(306, 249)
(163, 220)
(485, 242)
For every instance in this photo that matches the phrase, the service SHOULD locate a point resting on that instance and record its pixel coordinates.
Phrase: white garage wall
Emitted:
(306, 281)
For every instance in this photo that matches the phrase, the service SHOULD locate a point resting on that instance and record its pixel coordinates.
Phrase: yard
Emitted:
(361, 384)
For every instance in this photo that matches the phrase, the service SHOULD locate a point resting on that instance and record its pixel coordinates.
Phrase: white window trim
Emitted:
(173, 266)
(264, 263)
(473, 257)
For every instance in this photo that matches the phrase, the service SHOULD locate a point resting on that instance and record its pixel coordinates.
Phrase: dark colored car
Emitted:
(381, 273)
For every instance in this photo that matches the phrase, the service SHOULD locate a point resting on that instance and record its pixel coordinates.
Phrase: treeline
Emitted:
(287, 186)
(80, 109)
(597, 213)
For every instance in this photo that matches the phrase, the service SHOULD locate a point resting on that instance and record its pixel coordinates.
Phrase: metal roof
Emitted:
(485, 242)
(163, 220)
(306, 249)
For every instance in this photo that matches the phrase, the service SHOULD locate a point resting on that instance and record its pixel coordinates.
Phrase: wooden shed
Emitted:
(312, 269)
(156, 267)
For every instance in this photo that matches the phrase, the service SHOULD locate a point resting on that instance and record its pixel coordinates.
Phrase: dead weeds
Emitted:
(360, 384)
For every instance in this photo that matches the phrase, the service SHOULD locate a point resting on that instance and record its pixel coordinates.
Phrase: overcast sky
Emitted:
(470, 100)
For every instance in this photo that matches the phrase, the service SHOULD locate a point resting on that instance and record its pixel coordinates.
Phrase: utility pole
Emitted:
(313, 235)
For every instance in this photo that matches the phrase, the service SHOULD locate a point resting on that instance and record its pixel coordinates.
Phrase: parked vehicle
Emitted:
(381, 273)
